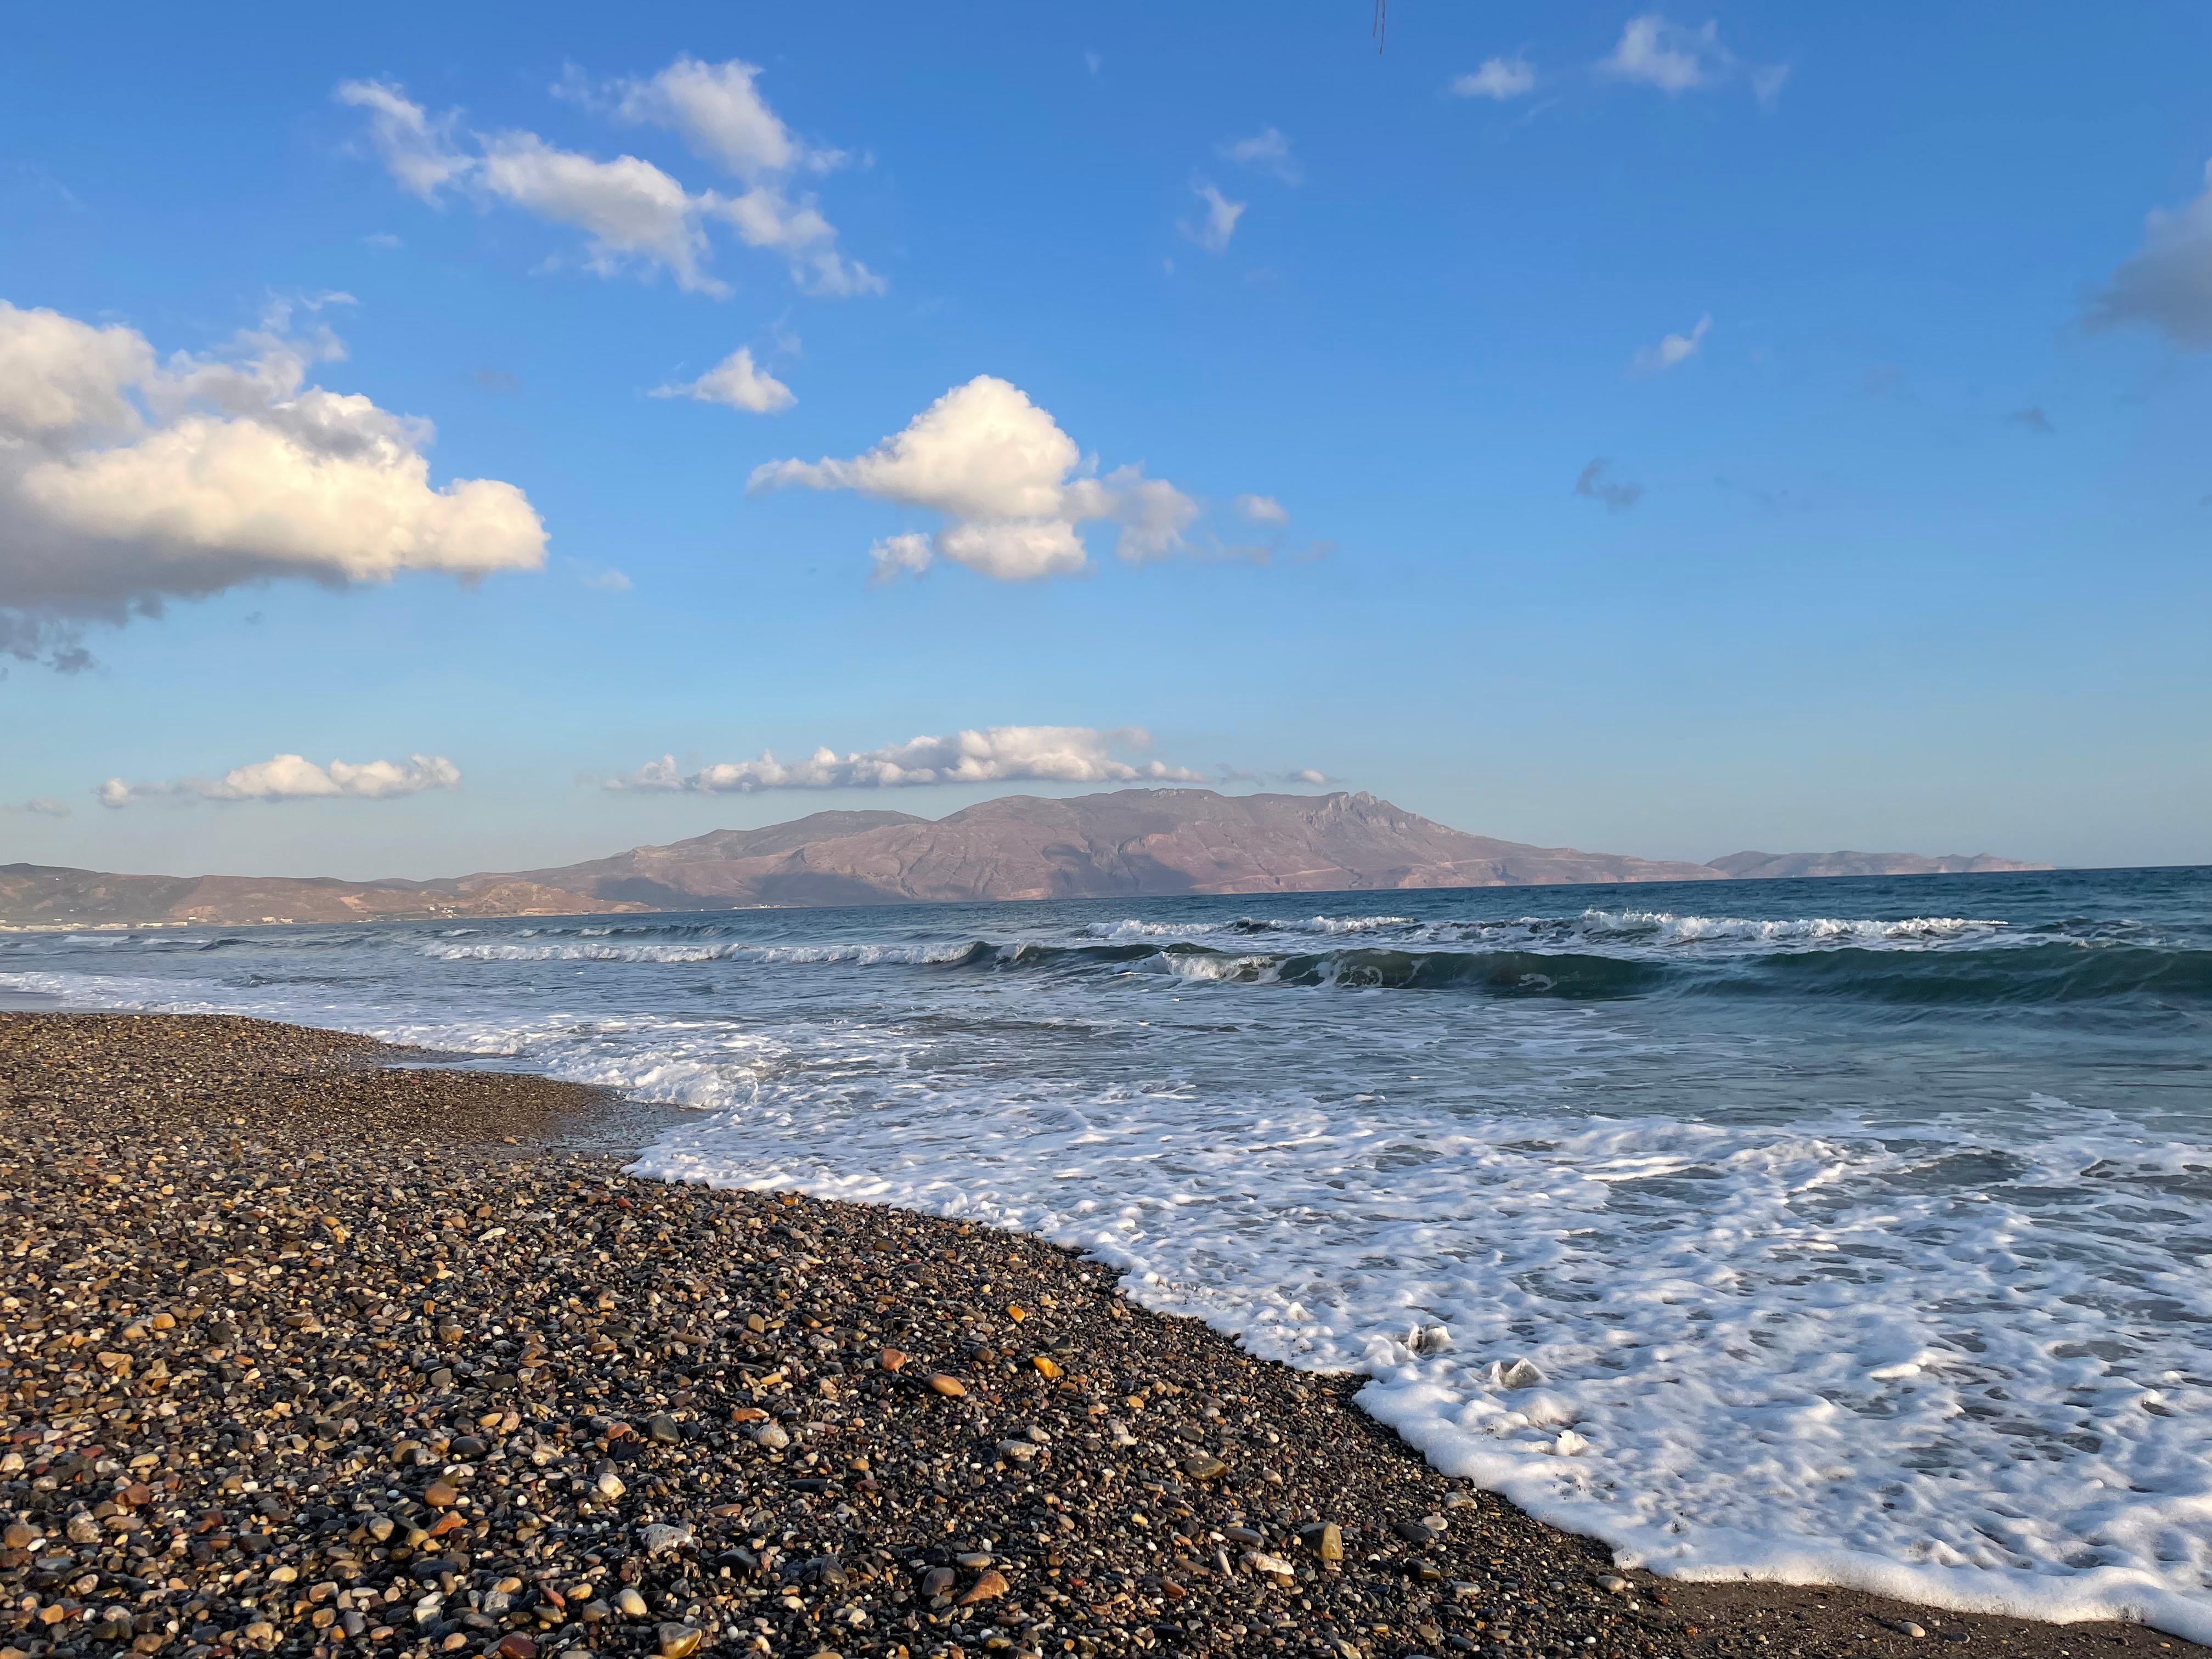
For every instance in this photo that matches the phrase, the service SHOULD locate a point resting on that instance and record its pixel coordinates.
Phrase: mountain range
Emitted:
(1125, 844)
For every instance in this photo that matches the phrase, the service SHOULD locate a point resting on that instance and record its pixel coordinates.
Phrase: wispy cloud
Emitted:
(1268, 151)
(1499, 79)
(1597, 483)
(1672, 352)
(2033, 419)
(1654, 52)
(603, 578)
(1218, 223)
(1311, 777)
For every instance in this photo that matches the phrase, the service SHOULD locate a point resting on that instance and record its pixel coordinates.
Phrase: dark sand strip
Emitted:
(302, 1352)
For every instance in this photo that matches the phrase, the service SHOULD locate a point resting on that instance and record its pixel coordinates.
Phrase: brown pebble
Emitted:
(440, 1494)
(988, 1587)
(891, 1359)
(1046, 1368)
(952, 1387)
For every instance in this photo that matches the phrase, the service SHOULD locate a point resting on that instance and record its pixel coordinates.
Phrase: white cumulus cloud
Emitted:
(1499, 79)
(1262, 509)
(635, 213)
(45, 806)
(997, 754)
(1671, 352)
(736, 381)
(1213, 229)
(1654, 52)
(125, 481)
(1011, 485)
(293, 777)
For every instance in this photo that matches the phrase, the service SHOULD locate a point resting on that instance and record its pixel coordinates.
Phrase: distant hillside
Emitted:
(1768, 866)
(1127, 844)
(701, 873)
(36, 894)
(1130, 842)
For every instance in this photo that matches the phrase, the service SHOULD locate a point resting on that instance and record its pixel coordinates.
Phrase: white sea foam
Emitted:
(1132, 929)
(1622, 931)
(1250, 968)
(1121, 931)
(1670, 928)
(1329, 924)
(726, 950)
(1810, 1355)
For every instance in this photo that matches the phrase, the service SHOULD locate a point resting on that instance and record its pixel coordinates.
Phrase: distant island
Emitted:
(1129, 843)
(1776, 866)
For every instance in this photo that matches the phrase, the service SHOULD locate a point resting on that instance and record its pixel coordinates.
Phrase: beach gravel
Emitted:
(303, 1352)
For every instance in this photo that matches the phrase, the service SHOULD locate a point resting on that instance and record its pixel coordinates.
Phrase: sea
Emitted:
(1854, 1231)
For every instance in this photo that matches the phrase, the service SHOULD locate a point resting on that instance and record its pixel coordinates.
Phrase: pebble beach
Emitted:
(309, 1346)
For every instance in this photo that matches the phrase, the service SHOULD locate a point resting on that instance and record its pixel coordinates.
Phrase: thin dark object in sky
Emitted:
(1381, 23)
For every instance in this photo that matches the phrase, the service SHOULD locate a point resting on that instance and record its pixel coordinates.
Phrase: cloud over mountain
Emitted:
(997, 754)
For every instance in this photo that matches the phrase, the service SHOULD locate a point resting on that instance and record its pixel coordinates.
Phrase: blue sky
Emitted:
(1901, 544)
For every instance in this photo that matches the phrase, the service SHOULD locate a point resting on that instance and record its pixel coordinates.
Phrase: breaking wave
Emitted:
(1856, 961)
